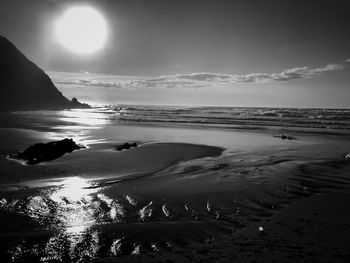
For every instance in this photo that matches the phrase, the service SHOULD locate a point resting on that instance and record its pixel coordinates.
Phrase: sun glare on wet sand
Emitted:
(69, 197)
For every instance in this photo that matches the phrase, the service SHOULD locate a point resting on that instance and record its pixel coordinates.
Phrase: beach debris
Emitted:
(211, 210)
(137, 250)
(209, 207)
(42, 152)
(114, 209)
(154, 247)
(187, 208)
(165, 210)
(125, 146)
(347, 157)
(146, 211)
(260, 228)
(116, 246)
(131, 200)
(284, 137)
(191, 211)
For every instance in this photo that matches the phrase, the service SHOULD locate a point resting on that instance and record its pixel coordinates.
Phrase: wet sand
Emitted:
(183, 194)
(104, 163)
(315, 229)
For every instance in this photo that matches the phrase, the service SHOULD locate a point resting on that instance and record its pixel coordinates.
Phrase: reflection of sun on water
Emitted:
(71, 208)
(79, 122)
(87, 117)
(74, 208)
(74, 189)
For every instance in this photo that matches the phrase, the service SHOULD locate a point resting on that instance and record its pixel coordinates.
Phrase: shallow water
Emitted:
(71, 217)
(239, 117)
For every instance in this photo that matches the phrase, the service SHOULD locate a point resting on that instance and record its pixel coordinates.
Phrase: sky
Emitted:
(195, 52)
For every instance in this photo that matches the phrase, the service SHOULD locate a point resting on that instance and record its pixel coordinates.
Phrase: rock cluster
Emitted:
(125, 146)
(42, 152)
(285, 137)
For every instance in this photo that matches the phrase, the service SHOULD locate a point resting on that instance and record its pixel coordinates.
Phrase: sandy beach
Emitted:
(184, 194)
(314, 229)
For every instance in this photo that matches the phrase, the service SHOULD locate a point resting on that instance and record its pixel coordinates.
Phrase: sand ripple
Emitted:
(80, 219)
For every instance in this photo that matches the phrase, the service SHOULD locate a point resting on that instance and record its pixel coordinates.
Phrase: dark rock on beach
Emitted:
(125, 146)
(25, 86)
(42, 152)
(284, 137)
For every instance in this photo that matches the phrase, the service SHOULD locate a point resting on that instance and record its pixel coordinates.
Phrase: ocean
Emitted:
(238, 118)
(246, 118)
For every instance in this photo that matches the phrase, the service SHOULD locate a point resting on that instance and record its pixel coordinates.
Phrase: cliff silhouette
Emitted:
(25, 86)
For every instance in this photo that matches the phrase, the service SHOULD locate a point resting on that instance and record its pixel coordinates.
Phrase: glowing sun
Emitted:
(82, 30)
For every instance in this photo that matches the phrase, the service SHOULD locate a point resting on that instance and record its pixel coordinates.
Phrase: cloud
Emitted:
(347, 60)
(286, 75)
(87, 83)
(196, 80)
(301, 73)
(168, 82)
(204, 77)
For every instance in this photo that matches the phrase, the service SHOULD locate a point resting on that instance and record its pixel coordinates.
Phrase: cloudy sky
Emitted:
(195, 52)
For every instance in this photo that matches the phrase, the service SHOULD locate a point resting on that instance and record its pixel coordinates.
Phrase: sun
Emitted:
(82, 30)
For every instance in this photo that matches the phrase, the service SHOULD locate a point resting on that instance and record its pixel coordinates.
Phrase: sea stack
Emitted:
(25, 86)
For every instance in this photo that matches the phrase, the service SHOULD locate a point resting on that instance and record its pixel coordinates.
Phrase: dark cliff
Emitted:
(25, 86)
